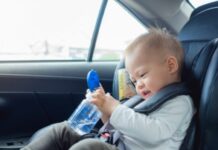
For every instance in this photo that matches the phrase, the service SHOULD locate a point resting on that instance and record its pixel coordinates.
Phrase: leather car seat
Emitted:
(200, 70)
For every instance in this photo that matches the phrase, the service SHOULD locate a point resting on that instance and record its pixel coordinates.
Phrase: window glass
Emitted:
(117, 30)
(46, 29)
(197, 3)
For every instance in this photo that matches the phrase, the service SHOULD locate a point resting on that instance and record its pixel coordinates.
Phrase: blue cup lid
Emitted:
(93, 80)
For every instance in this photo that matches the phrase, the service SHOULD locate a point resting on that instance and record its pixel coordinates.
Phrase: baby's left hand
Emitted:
(105, 102)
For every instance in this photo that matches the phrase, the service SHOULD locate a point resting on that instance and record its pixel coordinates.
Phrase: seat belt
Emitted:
(154, 102)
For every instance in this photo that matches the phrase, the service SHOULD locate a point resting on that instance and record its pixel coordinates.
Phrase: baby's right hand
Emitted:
(98, 98)
(105, 102)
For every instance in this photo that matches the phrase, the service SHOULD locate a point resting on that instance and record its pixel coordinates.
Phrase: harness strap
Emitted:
(165, 94)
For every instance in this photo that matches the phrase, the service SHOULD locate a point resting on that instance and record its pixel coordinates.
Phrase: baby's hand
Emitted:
(105, 102)
(98, 97)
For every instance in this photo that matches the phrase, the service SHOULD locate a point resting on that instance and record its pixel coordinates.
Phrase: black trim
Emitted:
(96, 30)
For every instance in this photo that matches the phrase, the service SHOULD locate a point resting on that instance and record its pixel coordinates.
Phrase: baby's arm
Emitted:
(156, 127)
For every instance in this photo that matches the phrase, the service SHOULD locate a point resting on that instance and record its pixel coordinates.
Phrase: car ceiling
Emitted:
(172, 14)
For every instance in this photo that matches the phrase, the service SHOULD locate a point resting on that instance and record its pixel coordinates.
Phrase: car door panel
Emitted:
(35, 94)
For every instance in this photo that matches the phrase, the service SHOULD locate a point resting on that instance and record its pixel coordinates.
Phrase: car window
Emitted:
(118, 28)
(46, 29)
(197, 3)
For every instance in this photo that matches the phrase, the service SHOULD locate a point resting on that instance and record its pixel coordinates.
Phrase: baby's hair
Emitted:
(159, 40)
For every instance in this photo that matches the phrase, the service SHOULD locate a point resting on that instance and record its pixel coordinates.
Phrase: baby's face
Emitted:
(148, 72)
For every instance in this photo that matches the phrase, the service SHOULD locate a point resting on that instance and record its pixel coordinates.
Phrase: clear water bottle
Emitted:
(86, 115)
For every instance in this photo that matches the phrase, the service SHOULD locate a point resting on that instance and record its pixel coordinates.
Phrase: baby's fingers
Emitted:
(101, 89)
(98, 94)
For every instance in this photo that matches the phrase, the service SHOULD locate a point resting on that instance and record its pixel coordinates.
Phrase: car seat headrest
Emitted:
(201, 27)
(202, 8)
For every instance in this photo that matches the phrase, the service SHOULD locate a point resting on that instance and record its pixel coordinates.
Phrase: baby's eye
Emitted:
(143, 75)
(134, 82)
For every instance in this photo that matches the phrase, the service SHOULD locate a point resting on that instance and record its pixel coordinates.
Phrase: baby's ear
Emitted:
(172, 64)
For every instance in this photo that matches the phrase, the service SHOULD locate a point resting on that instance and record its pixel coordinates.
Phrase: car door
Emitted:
(45, 60)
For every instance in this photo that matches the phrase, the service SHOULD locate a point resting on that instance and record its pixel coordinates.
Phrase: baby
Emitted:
(153, 60)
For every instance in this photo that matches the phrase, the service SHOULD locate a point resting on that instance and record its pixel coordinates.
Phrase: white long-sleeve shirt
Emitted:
(163, 129)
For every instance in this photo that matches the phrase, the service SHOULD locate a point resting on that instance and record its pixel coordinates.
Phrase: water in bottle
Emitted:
(86, 115)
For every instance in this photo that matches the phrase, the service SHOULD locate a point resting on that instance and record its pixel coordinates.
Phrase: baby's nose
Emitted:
(140, 84)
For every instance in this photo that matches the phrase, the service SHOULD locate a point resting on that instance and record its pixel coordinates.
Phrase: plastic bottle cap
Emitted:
(93, 80)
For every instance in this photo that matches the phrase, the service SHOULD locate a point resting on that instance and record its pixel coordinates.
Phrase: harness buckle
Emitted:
(106, 136)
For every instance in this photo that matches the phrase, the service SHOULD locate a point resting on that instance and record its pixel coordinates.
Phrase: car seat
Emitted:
(200, 70)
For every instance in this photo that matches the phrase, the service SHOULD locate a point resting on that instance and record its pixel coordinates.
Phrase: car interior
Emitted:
(37, 94)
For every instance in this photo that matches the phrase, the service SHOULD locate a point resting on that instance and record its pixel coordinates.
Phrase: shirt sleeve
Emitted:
(156, 127)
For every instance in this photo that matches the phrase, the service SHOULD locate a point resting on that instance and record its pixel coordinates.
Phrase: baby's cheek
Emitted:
(155, 86)
(137, 89)
(151, 84)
